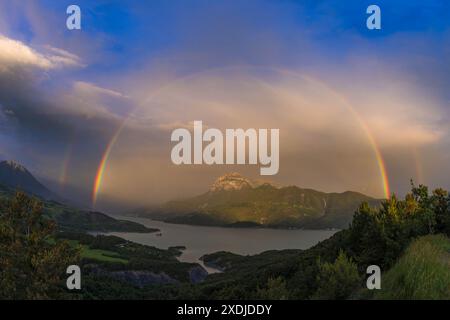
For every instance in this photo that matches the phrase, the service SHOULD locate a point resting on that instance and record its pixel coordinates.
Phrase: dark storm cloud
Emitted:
(49, 122)
(38, 117)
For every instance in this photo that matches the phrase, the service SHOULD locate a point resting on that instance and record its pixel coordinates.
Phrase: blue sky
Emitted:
(76, 87)
(118, 36)
(142, 28)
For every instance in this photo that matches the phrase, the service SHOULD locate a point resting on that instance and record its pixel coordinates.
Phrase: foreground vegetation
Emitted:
(423, 272)
(407, 238)
(72, 219)
(336, 267)
(31, 267)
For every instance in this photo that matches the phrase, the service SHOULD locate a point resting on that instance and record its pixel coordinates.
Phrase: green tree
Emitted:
(275, 290)
(425, 215)
(32, 264)
(366, 240)
(441, 207)
(338, 280)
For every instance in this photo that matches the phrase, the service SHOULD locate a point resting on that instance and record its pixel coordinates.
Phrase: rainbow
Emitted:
(65, 166)
(379, 157)
(101, 167)
(418, 165)
(365, 127)
(376, 149)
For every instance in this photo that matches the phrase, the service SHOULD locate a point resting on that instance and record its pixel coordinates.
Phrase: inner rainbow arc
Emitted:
(370, 136)
(102, 165)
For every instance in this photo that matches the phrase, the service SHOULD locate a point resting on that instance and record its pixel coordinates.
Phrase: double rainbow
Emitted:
(372, 141)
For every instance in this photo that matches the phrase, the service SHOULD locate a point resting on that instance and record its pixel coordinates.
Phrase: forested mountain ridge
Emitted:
(14, 176)
(234, 200)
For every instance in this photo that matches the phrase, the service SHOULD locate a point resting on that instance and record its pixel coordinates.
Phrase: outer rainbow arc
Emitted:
(380, 161)
(64, 174)
(417, 163)
(65, 165)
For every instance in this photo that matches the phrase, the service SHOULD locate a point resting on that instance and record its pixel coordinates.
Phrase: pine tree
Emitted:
(32, 263)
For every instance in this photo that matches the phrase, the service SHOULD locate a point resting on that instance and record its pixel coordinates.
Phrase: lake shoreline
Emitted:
(235, 225)
(198, 241)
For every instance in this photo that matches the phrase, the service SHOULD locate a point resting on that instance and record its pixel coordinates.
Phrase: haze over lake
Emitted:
(200, 240)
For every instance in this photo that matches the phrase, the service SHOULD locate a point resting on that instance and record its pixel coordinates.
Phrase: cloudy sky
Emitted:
(342, 96)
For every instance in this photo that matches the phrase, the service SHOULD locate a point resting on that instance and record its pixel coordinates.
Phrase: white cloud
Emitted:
(15, 53)
(88, 88)
(62, 57)
(94, 101)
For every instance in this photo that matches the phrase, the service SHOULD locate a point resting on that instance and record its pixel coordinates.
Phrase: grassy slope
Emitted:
(423, 272)
(116, 254)
(98, 254)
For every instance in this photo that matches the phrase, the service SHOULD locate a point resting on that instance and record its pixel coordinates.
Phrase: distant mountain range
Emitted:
(236, 201)
(14, 176)
(232, 200)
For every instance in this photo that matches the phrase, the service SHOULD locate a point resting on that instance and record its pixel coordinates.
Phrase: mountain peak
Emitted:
(16, 176)
(231, 181)
(13, 165)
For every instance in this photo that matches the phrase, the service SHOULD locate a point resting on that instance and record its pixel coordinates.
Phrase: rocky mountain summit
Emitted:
(235, 181)
(231, 181)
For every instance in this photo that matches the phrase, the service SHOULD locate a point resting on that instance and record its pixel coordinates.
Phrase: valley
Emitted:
(124, 257)
(199, 241)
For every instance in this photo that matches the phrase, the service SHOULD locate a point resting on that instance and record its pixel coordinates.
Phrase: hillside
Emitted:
(14, 176)
(423, 272)
(134, 265)
(73, 219)
(235, 201)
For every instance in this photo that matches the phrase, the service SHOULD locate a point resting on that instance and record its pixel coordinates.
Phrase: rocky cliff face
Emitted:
(142, 278)
(197, 274)
(231, 181)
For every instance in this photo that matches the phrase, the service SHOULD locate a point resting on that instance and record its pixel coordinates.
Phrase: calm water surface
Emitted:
(200, 240)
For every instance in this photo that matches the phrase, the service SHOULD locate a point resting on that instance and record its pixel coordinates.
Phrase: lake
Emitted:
(200, 240)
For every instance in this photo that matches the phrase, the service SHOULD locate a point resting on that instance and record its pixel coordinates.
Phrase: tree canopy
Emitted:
(32, 263)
